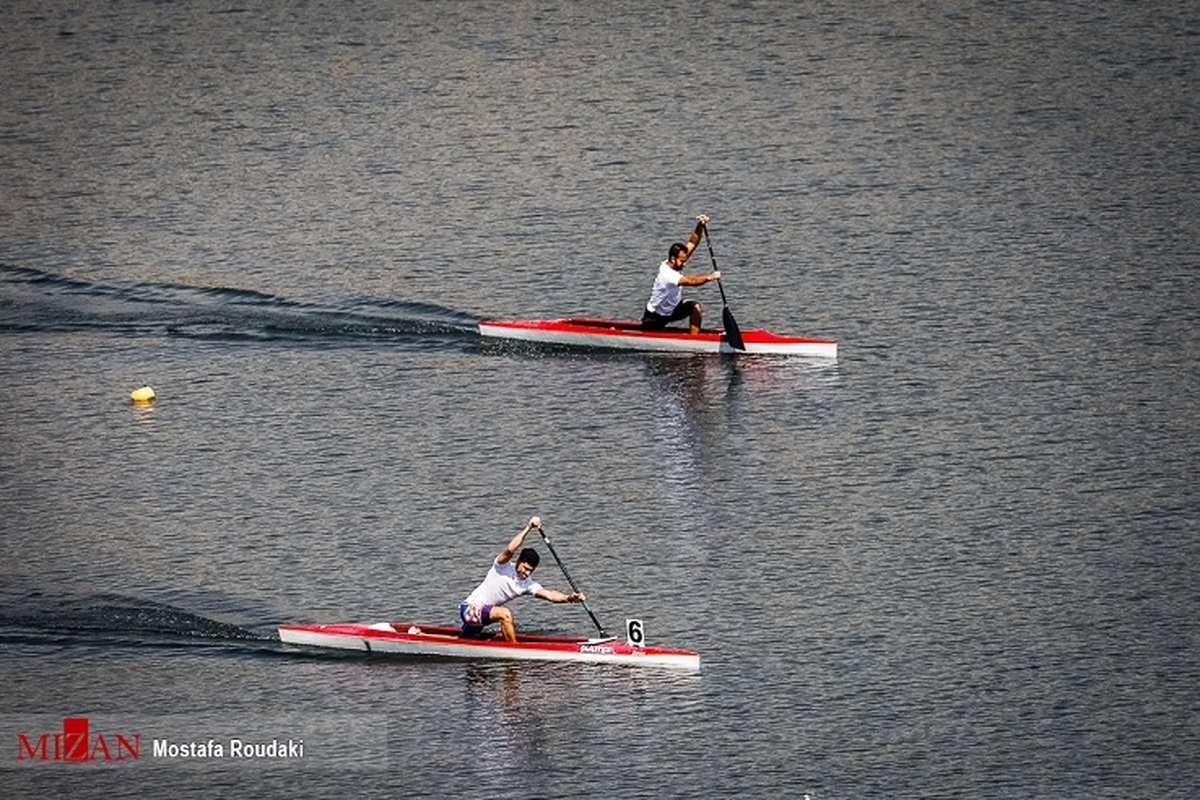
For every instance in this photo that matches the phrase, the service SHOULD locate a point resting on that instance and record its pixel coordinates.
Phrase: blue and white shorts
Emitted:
(474, 618)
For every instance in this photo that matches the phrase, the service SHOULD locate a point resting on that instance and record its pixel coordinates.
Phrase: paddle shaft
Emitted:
(732, 333)
(713, 256)
(574, 588)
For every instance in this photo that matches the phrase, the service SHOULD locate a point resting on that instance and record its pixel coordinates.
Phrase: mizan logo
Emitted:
(75, 742)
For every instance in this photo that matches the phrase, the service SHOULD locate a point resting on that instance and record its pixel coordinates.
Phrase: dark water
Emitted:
(961, 561)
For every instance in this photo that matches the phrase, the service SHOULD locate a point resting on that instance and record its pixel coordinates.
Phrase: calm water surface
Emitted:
(960, 561)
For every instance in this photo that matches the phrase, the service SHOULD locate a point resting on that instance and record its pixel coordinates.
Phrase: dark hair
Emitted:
(676, 249)
(530, 557)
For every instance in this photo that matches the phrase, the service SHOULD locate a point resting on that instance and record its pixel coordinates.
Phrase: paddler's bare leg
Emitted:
(695, 317)
(504, 617)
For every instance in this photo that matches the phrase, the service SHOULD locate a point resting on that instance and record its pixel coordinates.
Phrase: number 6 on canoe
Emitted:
(567, 575)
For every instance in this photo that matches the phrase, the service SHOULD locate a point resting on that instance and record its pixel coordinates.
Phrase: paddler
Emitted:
(666, 304)
(505, 582)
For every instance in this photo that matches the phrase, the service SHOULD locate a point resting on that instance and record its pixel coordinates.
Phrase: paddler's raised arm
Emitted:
(515, 544)
(697, 232)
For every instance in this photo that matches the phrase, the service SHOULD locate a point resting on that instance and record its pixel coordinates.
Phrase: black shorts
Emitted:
(655, 322)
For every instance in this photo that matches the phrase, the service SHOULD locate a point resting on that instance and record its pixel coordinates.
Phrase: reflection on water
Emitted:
(518, 708)
(687, 399)
(699, 403)
(505, 722)
(143, 413)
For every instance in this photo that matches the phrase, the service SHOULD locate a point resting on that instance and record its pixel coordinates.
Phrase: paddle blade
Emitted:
(732, 334)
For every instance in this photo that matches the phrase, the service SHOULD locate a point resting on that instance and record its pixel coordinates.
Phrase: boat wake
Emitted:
(42, 301)
(37, 617)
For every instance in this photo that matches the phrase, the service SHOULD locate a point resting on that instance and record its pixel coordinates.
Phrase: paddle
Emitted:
(574, 588)
(732, 334)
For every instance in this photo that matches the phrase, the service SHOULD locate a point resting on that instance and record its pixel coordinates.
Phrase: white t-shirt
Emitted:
(666, 292)
(501, 585)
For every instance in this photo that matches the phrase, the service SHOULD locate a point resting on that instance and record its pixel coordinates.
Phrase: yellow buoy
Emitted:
(142, 395)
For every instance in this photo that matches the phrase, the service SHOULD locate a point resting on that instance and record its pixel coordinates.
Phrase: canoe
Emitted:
(419, 639)
(618, 334)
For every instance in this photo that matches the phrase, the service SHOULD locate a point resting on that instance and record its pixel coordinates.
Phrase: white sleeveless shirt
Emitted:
(666, 292)
(501, 585)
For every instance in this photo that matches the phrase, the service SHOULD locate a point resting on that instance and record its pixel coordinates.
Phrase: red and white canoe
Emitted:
(609, 333)
(419, 639)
